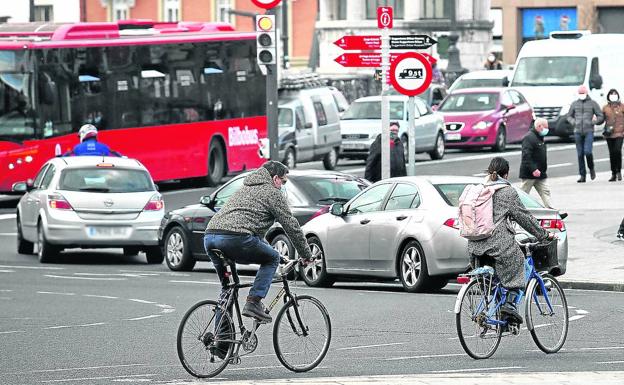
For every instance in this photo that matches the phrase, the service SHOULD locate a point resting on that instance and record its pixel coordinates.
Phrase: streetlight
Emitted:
(454, 68)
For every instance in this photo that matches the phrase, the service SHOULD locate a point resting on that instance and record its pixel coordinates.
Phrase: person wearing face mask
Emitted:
(397, 156)
(239, 228)
(583, 115)
(614, 132)
(492, 63)
(534, 161)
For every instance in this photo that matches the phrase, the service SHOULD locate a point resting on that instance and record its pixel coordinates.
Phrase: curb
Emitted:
(587, 285)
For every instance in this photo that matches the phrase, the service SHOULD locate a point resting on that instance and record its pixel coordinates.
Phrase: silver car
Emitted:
(89, 202)
(404, 228)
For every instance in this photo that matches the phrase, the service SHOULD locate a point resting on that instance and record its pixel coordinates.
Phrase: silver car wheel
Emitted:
(440, 145)
(282, 248)
(313, 270)
(39, 242)
(411, 266)
(175, 249)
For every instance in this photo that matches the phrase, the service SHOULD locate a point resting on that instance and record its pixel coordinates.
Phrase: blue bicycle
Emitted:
(480, 326)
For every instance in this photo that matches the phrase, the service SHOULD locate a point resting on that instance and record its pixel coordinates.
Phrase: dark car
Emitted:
(310, 194)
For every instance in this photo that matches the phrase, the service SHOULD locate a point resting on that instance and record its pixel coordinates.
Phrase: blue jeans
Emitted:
(584, 144)
(244, 249)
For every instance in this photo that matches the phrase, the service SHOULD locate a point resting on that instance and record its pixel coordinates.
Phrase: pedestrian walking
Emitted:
(492, 63)
(534, 162)
(583, 115)
(620, 233)
(397, 156)
(614, 132)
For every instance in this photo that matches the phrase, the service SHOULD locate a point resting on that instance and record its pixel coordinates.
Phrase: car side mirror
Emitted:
(337, 209)
(505, 81)
(509, 107)
(208, 201)
(308, 125)
(21, 187)
(595, 82)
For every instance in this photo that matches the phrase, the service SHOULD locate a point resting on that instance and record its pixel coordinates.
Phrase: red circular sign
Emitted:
(266, 4)
(411, 74)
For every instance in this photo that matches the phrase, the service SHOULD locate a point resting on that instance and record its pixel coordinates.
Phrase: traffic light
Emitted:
(266, 39)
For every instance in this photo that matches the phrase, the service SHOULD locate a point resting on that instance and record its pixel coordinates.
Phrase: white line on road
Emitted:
(75, 326)
(603, 348)
(80, 368)
(561, 165)
(371, 346)
(142, 318)
(426, 356)
(54, 292)
(100, 378)
(13, 331)
(8, 234)
(7, 271)
(100, 296)
(33, 267)
(576, 317)
(85, 278)
(7, 216)
(199, 282)
(601, 160)
(6, 291)
(141, 301)
(476, 369)
(610, 362)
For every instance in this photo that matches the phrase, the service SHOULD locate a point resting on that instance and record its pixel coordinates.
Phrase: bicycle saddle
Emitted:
(221, 255)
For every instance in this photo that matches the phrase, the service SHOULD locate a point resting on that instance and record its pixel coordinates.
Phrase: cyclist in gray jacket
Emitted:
(583, 115)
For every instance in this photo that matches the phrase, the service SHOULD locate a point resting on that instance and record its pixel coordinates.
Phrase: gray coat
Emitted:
(508, 257)
(255, 207)
(581, 114)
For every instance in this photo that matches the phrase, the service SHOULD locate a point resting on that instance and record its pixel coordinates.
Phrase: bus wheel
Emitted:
(216, 164)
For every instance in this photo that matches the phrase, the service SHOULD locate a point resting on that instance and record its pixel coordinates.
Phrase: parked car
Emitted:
(482, 117)
(341, 102)
(361, 124)
(482, 79)
(309, 126)
(310, 193)
(405, 228)
(89, 202)
(433, 96)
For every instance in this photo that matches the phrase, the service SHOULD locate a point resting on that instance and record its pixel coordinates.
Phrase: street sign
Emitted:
(366, 42)
(266, 4)
(411, 73)
(384, 17)
(411, 41)
(362, 59)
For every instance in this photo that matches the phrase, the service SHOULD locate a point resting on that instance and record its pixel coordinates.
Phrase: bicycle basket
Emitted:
(545, 257)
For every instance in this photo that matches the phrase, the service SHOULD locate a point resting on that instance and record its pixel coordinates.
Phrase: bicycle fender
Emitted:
(460, 295)
(527, 303)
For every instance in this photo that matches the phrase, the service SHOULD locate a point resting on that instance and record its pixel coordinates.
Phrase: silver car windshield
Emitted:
(372, 110)
(106, 180)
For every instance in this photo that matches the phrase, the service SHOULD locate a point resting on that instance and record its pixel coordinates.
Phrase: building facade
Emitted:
(524, 20)
(298, 34)
(437, 18)
(60, 11)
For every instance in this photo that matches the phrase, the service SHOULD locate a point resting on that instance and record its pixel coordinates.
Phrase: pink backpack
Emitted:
(476, 211)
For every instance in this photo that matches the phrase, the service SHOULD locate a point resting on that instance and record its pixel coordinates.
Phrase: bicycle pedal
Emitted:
(235, 360)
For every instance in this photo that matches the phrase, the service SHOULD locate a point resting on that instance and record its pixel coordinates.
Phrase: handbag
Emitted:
(607, 131)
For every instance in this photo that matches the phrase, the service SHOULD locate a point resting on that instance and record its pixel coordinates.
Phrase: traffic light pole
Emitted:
(272, 111)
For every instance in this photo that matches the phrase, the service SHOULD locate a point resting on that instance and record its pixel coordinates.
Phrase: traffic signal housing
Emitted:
(266, 41)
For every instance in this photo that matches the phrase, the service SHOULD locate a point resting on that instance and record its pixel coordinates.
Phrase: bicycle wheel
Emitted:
(202, 350)
(479, 339)
(548, 324)
(296, 351)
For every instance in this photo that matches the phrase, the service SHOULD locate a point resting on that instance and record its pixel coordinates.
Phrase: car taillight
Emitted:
(553, 224)
(57, 201)
(452, 222)
(321, 211)
(155, 203)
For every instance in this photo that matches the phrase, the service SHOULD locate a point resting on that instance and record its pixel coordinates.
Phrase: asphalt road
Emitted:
(100, 318)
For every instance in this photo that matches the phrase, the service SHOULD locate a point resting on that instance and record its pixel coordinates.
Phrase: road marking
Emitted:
(7, 271)
(7, 216)
(610, 362)
(141, 301)
(55, 293)
(142, 318)
(74, 326)
(100, 378)
(100, 296)
(371, 346)
(198, 282)
(33, 267)
(76, 369)
(6, 291)
(561, 165)
(426, 356)
(13, 331)
(603, 348)
(602, 160)
(476, 369)
(581, 311)
(575, 317)
(85, 278)
(8, 234)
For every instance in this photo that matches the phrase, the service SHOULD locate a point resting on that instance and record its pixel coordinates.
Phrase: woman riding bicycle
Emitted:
(501, 248)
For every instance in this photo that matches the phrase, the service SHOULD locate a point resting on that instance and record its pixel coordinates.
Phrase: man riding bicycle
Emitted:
(238, 230)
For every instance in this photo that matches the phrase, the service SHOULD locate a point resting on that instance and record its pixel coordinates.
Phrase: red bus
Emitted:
(186, 99)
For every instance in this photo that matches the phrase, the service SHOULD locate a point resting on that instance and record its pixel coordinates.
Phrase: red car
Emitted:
(485, 117)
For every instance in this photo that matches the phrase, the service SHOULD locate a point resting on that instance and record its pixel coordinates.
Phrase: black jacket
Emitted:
(533, 156)
(373, 162)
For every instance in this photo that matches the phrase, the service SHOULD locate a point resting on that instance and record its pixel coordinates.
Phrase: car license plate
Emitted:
(453, 136)
(104, 232)
(354, 146)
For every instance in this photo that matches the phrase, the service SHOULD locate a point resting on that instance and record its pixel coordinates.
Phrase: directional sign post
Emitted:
(411, 74)
(373, 42)
(384, 22)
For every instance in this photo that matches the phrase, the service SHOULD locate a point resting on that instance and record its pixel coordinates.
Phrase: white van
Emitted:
(309, 126)
(548, 73)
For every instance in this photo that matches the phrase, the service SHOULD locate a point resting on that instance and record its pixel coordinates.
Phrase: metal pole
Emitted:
(271, 95)
(285, 32)
(385, 107)
(31, 10)
(411, 134)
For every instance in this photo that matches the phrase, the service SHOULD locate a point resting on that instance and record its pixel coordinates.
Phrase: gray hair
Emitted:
(541, 122)
(276, 168)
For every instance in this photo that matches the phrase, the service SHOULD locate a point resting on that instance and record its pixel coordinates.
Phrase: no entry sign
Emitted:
(266, 4)
(410, 74)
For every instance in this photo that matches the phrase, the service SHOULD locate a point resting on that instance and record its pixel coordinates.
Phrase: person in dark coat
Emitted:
(397, 156)
(535, 162)
(614, 125)
(583, 115)
(620, 233)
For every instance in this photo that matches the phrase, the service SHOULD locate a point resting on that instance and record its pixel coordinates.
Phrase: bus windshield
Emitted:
(16, 118)
(550, 71)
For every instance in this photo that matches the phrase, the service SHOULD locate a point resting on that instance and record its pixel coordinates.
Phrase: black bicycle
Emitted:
(208, 339)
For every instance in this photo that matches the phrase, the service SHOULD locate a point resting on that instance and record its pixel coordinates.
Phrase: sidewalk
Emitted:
(570, 378)
(595, 208)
